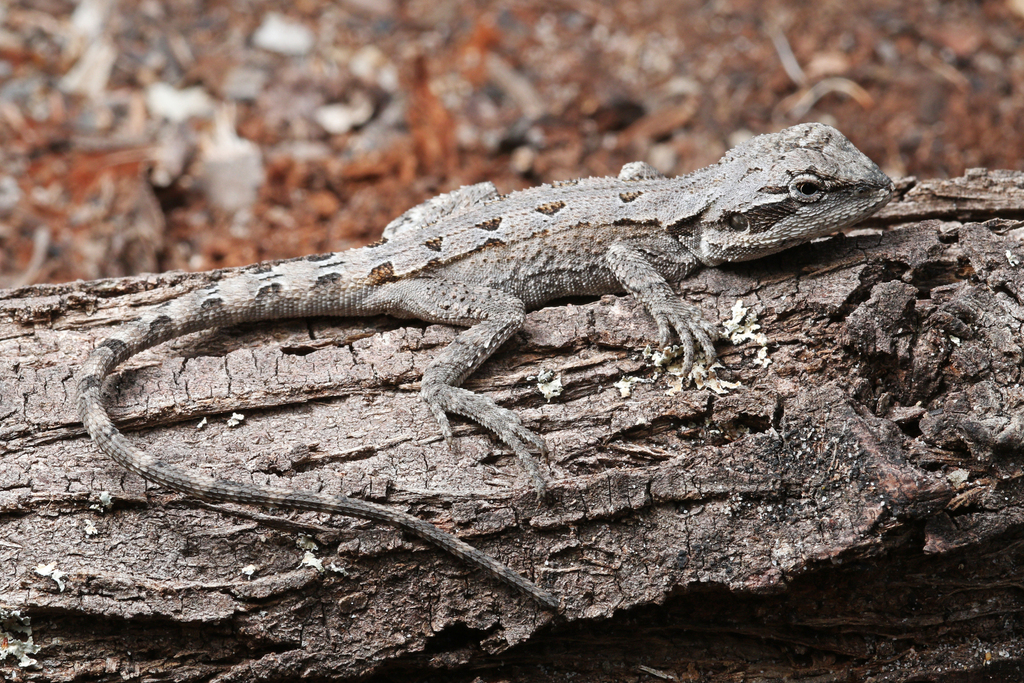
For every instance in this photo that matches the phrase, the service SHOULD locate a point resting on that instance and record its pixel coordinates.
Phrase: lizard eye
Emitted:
(738, 222)
(806, 189)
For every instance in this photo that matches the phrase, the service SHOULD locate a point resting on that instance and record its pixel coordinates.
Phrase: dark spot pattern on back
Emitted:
(489, 224)
(492, 242)
(633, 223)
(551, 208)
(319, 257)
(381, 242)
(89, 382)
(434, 244)
(382, 274)
(261, 268)
(627, 197)
(327, 279)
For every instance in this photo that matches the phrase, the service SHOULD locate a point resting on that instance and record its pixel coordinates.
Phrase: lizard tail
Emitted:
(160, 325)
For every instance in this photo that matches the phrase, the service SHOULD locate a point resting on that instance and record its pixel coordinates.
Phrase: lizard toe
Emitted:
(710, 352)
(666, 335)
(502, 422)
(442, 422)
(688, 353)
(706, 340)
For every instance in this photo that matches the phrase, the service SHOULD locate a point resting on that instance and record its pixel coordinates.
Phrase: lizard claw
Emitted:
(691, 329)
(503, 423)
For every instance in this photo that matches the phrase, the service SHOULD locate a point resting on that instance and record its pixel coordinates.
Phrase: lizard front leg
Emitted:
(641, 269)
(492, 317)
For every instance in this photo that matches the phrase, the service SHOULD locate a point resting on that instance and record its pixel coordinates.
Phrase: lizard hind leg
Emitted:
(492, 316)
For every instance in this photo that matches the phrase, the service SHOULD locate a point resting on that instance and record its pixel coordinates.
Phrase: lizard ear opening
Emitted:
(685, 227)
(738, 222)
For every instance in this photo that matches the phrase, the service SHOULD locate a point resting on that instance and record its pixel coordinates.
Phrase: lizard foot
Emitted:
(686, 323)
(503, 423)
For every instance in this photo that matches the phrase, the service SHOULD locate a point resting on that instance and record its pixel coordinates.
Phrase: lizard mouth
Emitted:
(867, 198)
(886, 191)
(872, 198)
(876, 197)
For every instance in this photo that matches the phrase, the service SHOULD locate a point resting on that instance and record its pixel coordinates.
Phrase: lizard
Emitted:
(480, 260)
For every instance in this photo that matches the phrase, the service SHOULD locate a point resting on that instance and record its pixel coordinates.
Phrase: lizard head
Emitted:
(782, 189)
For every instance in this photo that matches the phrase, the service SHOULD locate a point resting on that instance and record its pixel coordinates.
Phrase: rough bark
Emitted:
(852, 511)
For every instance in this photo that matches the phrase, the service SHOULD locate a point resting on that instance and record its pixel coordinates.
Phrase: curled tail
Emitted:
(204, 309)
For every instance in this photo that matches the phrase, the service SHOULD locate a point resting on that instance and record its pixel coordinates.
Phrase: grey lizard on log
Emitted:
(480, 260)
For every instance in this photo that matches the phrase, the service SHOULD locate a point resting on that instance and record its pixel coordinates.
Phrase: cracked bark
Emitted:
(853, 510)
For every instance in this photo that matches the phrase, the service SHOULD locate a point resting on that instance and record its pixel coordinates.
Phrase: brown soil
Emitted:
(447, 94)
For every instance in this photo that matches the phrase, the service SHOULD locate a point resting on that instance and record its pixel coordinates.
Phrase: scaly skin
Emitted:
(479, 260)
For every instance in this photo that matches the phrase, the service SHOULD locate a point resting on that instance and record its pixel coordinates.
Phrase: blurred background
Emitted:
(149, 135)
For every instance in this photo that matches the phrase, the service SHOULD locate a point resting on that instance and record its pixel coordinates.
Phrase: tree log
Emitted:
(852, 510)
